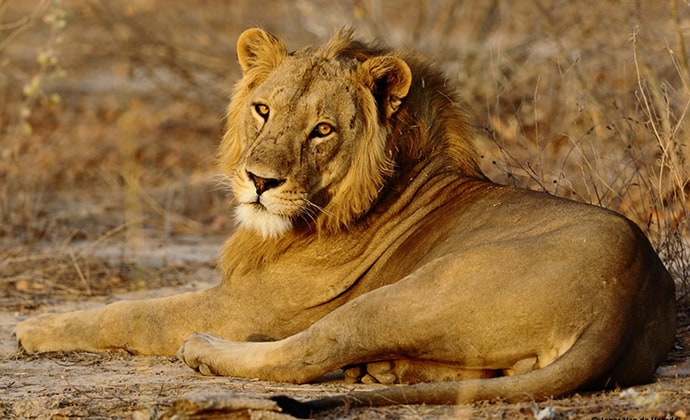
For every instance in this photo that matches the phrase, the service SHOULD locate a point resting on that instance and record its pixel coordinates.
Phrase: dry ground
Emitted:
(110, 113)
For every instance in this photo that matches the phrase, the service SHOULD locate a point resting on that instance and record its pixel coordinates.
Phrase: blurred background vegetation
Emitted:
(110, 112)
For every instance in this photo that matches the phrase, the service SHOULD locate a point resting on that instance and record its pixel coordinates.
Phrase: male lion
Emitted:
(370, 239)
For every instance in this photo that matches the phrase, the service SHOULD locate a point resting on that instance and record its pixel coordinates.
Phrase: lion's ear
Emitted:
(389, 78)
(258, 48)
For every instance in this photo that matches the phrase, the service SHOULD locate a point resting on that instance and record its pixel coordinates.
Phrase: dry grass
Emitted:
(110, 111)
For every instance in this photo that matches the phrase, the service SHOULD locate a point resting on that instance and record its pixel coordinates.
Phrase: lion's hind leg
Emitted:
(375, 326)
(410, 371)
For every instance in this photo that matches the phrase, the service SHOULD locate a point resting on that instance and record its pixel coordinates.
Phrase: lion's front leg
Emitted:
(56, 332)
(138, 327)
(149, 327)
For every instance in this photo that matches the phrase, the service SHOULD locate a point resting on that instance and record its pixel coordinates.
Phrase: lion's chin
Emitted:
(257, 218)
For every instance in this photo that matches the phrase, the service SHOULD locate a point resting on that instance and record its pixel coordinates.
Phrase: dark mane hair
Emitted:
(432, 123)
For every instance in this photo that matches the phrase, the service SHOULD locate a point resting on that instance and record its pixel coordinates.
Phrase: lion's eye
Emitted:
(262, 110)
(322, 130)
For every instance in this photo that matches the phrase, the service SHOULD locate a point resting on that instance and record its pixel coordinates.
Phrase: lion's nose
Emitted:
(264, 184)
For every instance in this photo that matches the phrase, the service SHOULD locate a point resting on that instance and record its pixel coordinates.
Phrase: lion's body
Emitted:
(370, 238)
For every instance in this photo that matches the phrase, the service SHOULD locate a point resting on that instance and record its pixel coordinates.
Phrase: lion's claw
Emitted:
(205, 370)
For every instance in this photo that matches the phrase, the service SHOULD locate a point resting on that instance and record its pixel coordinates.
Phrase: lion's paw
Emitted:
(197, 352)
(372, 373)
(211, 355)
(405, 371)
(37, 335)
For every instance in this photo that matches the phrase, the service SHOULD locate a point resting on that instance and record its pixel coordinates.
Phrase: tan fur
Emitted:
(370, 239)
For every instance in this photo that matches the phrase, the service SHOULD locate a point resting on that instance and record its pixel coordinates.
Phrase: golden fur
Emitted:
(418, 131)
(370, 239)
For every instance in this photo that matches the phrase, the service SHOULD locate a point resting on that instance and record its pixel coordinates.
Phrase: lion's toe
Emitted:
(199, 352)
(205, 370)
(372, 373)
(382, 372)
(187, 354)
(30, 336)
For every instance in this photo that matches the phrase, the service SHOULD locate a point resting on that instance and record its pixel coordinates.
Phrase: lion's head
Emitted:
(315, 135)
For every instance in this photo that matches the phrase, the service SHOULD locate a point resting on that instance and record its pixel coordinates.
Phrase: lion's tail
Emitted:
(563, 376)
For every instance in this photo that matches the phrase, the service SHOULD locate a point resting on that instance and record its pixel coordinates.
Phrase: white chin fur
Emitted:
(269, 225)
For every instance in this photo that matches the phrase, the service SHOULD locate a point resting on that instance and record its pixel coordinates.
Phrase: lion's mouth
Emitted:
(258, 209)
(258, 217)
(254, 203)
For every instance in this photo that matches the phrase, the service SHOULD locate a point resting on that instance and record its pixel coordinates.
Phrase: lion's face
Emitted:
(298, 140)
(307, 133)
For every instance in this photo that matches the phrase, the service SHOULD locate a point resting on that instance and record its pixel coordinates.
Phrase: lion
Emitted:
(369, 239)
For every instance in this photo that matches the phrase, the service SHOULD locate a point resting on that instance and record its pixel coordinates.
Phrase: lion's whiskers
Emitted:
(223, 183)
(312, 211)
